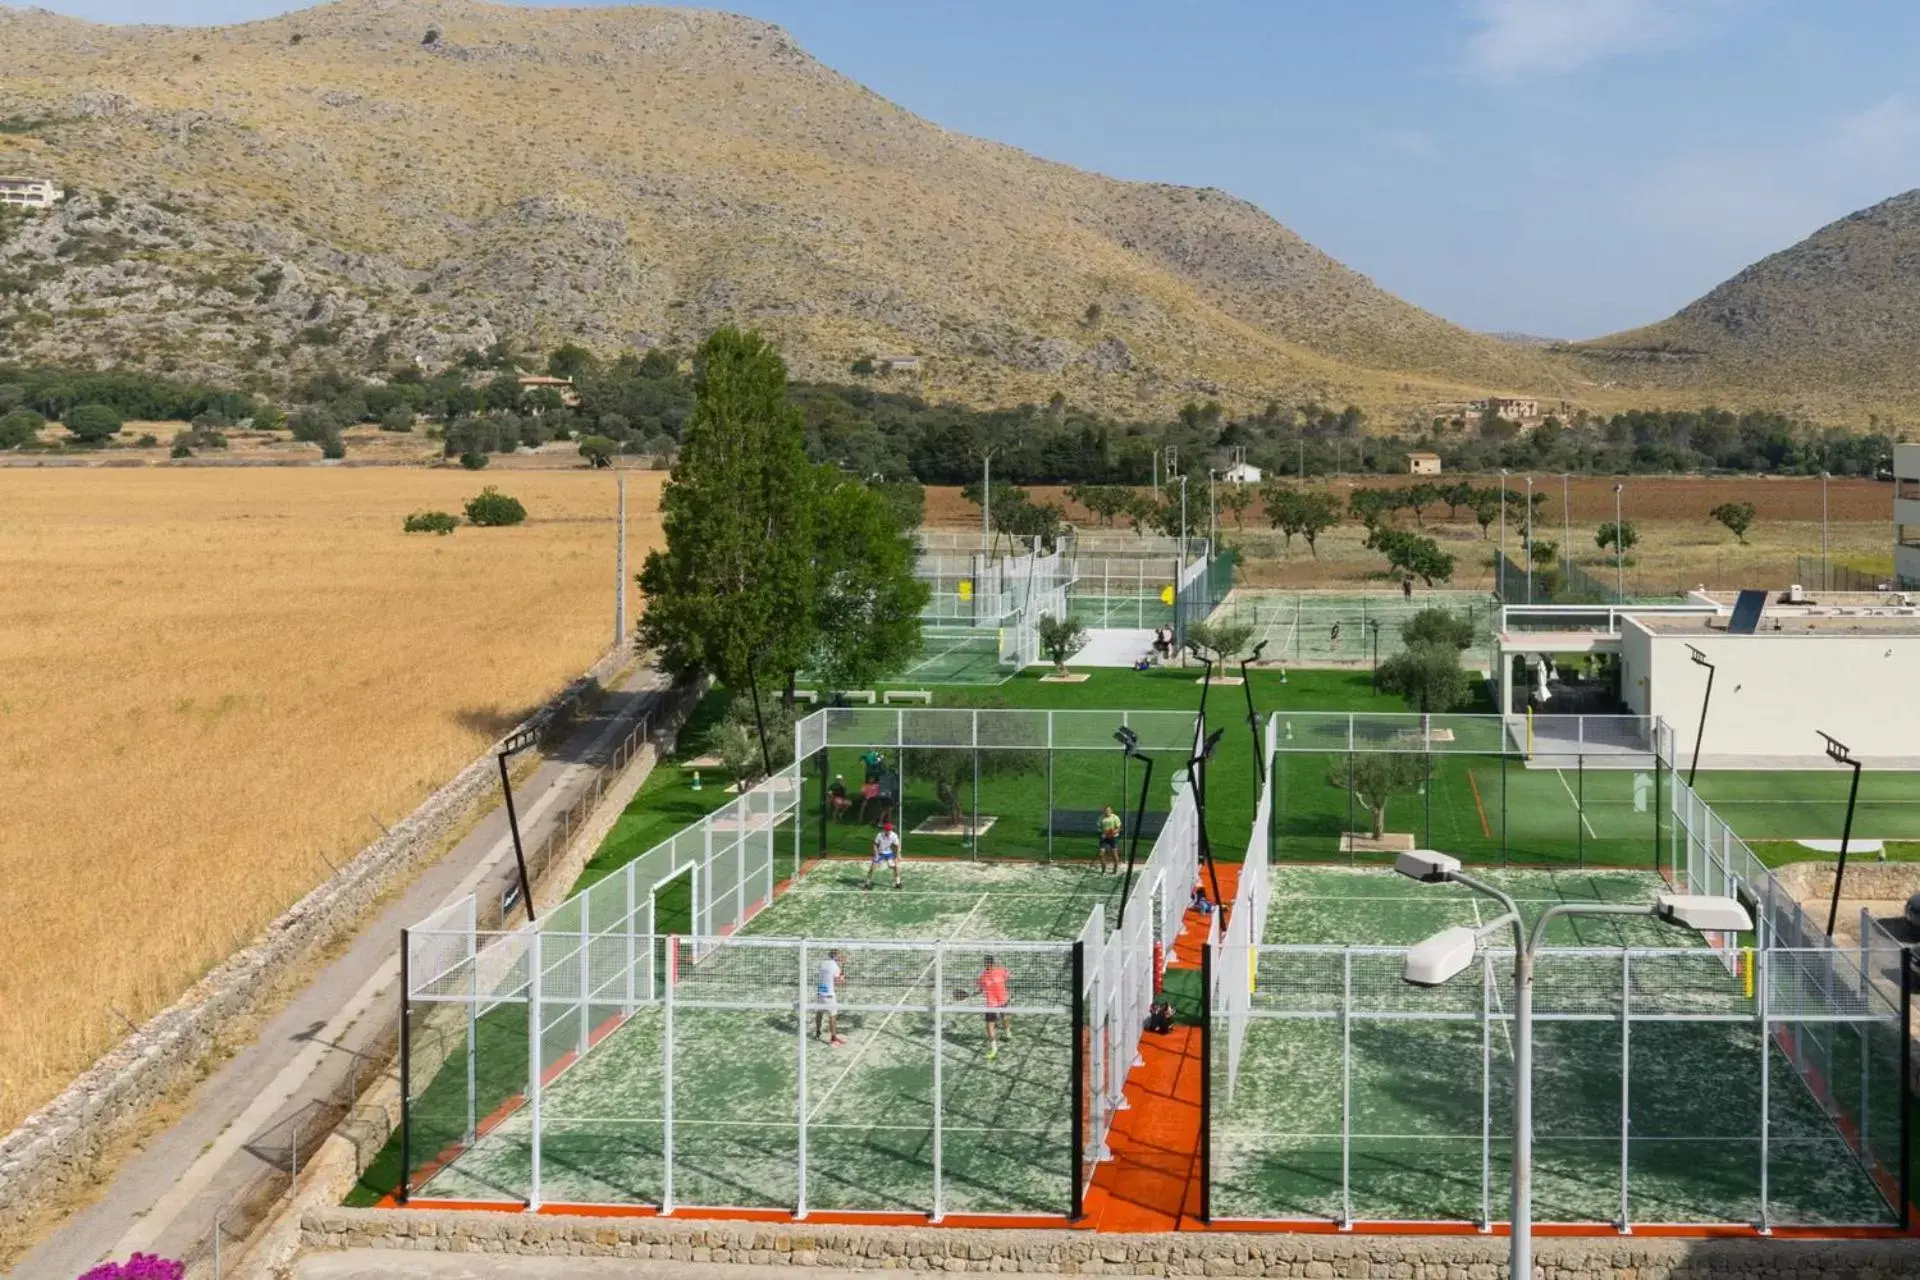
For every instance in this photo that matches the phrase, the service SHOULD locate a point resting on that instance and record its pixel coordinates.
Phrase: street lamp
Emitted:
(1449, 952)
(1253, 716)
(1619, 547)
(1826, 570)
(1566, 527)
(1528, 547)
(1839, 754)
(1700, 660)
(512, 746)
(1373, 625)
(1501, 588)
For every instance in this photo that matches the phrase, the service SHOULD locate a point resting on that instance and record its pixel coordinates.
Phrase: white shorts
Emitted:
(825, 1002)
(879, 858)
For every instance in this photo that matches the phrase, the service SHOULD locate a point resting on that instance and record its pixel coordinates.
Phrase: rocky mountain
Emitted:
(1832, 322)
(373, 181)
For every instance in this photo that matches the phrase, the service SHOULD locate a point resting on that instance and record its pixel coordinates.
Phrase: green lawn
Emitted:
(1785, 804)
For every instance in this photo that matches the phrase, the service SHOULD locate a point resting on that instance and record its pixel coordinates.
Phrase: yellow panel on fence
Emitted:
(966, 588)
(1166, 595)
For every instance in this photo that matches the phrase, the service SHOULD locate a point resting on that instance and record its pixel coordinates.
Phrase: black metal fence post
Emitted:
(406, 1076)
(1906, 1089)
(1079, 1090)
(1206, 1084)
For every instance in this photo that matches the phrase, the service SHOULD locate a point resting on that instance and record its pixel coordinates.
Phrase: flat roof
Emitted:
(1881, 622)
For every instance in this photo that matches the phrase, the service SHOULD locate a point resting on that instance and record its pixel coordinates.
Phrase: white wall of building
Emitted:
(1771, 693)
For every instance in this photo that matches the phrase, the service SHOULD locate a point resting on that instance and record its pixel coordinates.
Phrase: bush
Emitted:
(599, 450)
(92, 423)
(18, 427)
(494, 508)
(181, 449)
(147, 441)
(332, 445)
(440, 522)
(398, 418)
(141, 1266)
(474, 460)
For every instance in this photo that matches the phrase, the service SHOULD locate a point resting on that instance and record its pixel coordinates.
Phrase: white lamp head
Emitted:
(1702, 912)
(1440, 957)
(1426, 866)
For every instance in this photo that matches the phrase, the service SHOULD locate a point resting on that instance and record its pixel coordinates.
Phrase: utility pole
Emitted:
(620, 570)
(1619, 548)
(986, 504)
(1183, 526)
(1500, 570)
(1566, 527)
(1826, 572)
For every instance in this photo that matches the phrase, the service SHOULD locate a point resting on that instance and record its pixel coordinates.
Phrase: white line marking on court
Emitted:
(880, 1030)
(1561, 774)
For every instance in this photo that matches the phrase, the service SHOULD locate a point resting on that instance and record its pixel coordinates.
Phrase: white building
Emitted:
(1246, 473)
(31, 193)
(1423, 464)
(1848, 665)
(1906, 516)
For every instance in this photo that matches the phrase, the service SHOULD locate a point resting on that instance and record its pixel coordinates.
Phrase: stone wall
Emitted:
(1467, 1257)
(1868, 880)
(60, 1142)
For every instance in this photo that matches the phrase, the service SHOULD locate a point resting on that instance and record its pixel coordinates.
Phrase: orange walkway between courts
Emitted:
(1153, 1181)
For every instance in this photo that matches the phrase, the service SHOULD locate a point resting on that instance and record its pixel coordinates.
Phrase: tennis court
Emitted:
(696, 1096)
(962, 655)
(1664, 1089)
(1806, 804)
(1340, 627)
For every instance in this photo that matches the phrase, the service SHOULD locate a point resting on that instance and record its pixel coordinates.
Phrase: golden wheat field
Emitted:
(214, 682)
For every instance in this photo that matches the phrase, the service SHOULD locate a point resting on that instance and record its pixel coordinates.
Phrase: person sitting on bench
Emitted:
(838, 801)
(1199, 901)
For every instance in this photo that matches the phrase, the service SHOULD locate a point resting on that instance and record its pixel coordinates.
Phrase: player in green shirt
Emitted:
(1109, 840)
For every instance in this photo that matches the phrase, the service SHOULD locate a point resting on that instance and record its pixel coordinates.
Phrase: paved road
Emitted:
(242, 1120)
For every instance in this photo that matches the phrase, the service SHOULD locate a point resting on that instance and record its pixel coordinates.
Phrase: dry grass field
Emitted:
(212, 683)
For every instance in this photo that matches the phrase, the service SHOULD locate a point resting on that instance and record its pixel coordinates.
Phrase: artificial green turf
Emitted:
(1785, 804)
(1007, 1144)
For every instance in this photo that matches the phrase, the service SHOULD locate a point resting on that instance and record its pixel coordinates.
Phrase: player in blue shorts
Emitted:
(886, 852)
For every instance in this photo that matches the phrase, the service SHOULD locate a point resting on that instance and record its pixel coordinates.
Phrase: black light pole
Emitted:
(511, 747)
(1374, 625)
(1838, 753)
(1253, 718)
(1197, 779)
(1130, 748)
(1700, 660)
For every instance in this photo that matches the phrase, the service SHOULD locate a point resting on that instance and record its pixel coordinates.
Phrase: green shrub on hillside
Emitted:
(440, 522)
(92, 423)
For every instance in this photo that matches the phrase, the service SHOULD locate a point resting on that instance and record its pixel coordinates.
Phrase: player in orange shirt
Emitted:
(995, 987)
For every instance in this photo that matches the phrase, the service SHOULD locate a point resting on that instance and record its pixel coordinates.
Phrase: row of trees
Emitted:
(773, 564)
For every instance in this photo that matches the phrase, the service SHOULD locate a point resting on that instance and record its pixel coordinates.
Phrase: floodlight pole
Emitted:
(1619, 547)
(1700, 660)
(1826, 570)
(1839, 754)
(1253, 719)
(986, 503)
(1500, 587)
(1197, 771)
(1566, 527)
(759, 722)
(1373, 625)
(512, 746)
(1528, 548)
(1130, 748)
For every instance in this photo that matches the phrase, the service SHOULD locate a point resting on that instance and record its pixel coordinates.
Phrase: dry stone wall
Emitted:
(1332, 1257)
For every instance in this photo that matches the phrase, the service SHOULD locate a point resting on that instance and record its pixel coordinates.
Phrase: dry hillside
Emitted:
(384, 179)
(1833, 320)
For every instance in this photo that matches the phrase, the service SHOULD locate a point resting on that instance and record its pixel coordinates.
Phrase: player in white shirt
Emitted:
(886, 852)
(826, 999)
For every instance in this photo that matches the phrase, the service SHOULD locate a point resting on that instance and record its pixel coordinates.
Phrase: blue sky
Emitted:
(1560, 167)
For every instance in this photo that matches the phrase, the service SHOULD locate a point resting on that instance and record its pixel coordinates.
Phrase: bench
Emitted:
(808, 696)
(1086, 822)
(867, 696)
(922, 696)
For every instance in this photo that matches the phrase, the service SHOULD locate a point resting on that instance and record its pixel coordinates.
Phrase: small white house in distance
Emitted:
(30, 193)
(1423, 464)
(1245, 473)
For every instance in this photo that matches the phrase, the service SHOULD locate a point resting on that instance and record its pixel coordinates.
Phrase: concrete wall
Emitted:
(1467, 1257)
(60, 1143)
(1771, 692)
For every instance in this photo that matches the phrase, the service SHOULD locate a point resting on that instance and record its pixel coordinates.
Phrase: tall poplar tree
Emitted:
(731, 593)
